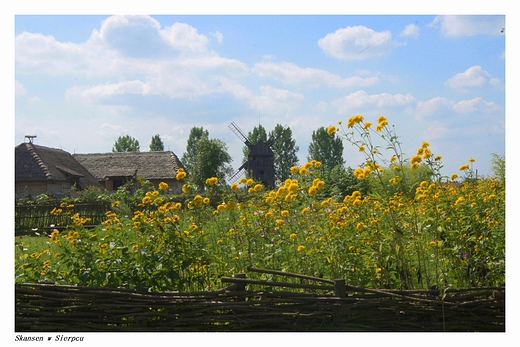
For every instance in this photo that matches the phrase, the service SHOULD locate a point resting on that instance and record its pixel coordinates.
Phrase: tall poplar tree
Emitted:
(190, 156)
(328, 149)
(156, 145)
(285, 150)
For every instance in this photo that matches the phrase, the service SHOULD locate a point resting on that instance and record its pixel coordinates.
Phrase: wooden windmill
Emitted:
(260, 160)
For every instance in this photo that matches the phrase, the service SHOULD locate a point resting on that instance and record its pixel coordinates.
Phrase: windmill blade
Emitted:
(273, 140)
(234, 128)
(234, 177)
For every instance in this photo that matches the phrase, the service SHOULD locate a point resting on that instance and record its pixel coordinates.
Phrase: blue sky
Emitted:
(81, 81)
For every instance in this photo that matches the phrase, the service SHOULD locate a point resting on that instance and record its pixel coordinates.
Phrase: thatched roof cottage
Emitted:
(43, 170)
(114, 169)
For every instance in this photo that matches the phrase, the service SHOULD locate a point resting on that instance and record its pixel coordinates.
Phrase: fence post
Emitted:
(240, 287)
(340, 288)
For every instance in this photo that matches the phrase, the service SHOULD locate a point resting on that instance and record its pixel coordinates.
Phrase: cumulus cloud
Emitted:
(470, 25)
(411, 30)
(218, 35)
(357, 43)
(361, 99)
(289, 73)
(275, 100)
(467, 106)
(429, 107)
(474, 76)
(108, 90)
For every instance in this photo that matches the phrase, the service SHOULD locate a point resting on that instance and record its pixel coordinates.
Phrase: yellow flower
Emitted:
(382, 119)
(454, 177)
(186, 188)
(294, 170)
(250, 182)
(293, 236)
(212, 181)
(301, 248)
(425, 145)
(234, 187)
(163, 186)
(205, 201)
(471, 160)
(115, 204)
(258, 187)
(221, 207)
(146, 200)
(354, 120)
(459, 200)
(197, 200)
(280, 222)
(416, 159)
(367, 125)
(284, 213)
(464, 167)
(181, 174)
(438, 158)
(242, 180)
(305, 210)
(331, 130)
(433, 243)
(312, 191)
(361, 148)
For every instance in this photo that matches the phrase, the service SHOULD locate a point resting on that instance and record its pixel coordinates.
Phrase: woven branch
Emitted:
(48, 307)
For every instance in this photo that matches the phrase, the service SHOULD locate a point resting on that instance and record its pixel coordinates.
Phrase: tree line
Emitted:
(209, 157)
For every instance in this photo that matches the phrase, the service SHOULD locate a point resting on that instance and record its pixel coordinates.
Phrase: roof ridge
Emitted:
(39, 160)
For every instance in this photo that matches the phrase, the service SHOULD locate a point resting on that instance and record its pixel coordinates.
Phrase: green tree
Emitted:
(190, 156)
(212, 160)
(126, 144)
(498, 165)
(285, 149)
(328, 149)
(156, 145)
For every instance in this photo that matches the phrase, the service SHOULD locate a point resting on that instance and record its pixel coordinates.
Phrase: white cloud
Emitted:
(467, 106)
(108, 90)
(430, 107)
(474, 76)
(184, 37)
(108, 130)
(289, 73)
(19, 89)
(356, 43)
(470, 25)
(218, 35)
(411, 30)
(363, 99)
(275, 100)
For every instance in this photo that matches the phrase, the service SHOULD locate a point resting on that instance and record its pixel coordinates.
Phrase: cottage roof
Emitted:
(39, 163)
(151, 165)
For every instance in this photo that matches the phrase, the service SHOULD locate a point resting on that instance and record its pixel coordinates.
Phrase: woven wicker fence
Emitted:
(240, 307)
(38, 217)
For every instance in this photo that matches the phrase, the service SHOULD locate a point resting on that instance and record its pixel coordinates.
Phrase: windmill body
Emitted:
(260, 160)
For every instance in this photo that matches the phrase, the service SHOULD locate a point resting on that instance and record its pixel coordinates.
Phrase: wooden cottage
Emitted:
(43, 170)
(116, 168)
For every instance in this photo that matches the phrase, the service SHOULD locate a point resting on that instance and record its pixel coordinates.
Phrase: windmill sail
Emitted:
(234, 128)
